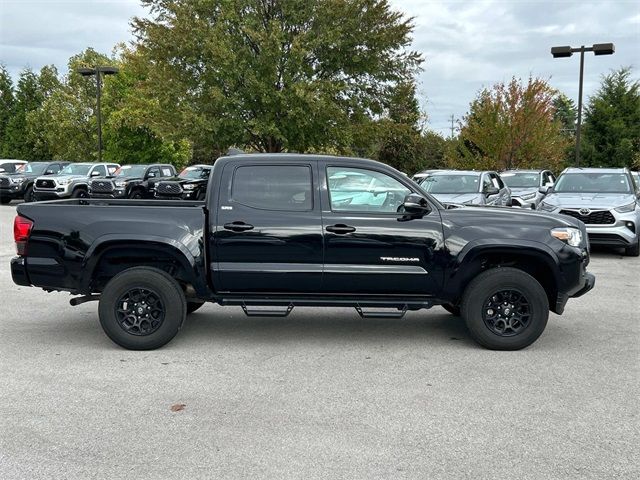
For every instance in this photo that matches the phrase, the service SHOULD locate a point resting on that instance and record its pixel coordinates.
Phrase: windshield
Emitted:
(131, 171)
(35, 168)
(598, 182)
(75, 169)
(451, 184)
(195, 173)
(521, 180)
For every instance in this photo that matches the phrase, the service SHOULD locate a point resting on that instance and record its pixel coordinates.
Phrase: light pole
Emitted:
(566, 51)
(97, 71)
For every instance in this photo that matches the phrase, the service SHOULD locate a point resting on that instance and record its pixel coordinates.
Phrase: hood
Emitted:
(123, 178)
(590, 200)
(456, 197)
(20, 175)
(70, 177)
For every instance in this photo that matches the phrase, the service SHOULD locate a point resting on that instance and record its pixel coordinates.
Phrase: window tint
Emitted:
(153, 172)
(273, 187)
(486, 183)
(8, 167)
(360, 190)
(167, 172)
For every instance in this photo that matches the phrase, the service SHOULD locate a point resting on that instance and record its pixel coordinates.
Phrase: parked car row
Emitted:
(35, 181)
(606, 200)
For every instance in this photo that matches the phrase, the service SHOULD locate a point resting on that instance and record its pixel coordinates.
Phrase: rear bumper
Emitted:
(19, 272)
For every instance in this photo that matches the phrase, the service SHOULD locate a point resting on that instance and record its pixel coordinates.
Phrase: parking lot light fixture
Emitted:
(567, 51)
(98, 71)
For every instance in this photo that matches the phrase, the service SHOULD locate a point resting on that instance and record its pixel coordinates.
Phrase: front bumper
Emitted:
(13, 191)
(186, 195)
(60, 191)
(118, 193)
(612, 235)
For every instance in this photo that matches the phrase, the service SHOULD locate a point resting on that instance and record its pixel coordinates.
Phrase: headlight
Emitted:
(63, 181)
(547, 207)
(572, 236)
(626, 208)
(18, 180)
(121, 183)
(528, 196)
(189, 186)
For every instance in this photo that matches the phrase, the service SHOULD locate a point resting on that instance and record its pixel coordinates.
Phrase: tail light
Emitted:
(21, 230)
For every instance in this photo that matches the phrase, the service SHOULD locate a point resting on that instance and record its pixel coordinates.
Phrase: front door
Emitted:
(371, 248)
(267, 231)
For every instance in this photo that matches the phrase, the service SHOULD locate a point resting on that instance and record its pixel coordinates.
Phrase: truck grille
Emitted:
(600, 217)
(4, 182)
(169, 188)
(102, 186)
(45, 183)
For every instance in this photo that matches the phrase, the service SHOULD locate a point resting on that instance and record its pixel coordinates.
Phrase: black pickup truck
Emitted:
(278, 231)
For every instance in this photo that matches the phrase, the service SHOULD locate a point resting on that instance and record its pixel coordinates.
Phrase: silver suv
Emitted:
(525, 184)
(467, 187)
(607, 200)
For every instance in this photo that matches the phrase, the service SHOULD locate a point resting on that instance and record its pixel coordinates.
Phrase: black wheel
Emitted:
(202, 195)
(5, 200)
(142, 308)
(136, 195)
(505, 309)
(192, 306)
(80, 193)
(452, 309)
(29, 195)
(633, 251)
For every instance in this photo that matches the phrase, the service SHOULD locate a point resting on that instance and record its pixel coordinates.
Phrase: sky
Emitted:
(467, 45)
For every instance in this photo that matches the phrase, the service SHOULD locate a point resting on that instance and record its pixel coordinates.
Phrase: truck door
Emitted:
(267, 234)
(370, 247)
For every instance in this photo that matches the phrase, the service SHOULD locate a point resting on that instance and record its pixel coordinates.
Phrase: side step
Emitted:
(252, 311)
(398, 313)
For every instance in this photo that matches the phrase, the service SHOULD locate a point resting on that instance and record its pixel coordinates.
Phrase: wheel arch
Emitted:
(110, 255)
(531, 257)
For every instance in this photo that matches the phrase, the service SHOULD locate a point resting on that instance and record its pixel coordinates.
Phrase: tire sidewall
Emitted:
(490, 283)
(164, 286)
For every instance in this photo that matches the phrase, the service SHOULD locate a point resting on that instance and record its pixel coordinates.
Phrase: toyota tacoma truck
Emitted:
(278, 231)
(72, 181)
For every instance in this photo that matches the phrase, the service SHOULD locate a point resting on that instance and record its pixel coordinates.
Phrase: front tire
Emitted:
(505, 309)
(136, 195)
(80, 193)
(29, 195)
(142, 308)
(633, 251)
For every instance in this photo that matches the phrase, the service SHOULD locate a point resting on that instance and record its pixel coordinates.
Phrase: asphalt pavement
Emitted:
(321, 394)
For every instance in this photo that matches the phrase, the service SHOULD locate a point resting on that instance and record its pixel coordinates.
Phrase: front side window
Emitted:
(101, 169)
(34, 168)
(452, 183)
(361, 190)
(273, 187)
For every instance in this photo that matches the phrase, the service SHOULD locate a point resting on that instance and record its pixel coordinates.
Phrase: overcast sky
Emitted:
(466, 44)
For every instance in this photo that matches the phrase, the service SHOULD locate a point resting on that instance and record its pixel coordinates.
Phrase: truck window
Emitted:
(273, 187)
(101, 169)
(361, 190)
(167, 172)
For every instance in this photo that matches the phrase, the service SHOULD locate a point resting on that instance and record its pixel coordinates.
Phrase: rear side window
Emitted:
(167, 172)
(273, 187)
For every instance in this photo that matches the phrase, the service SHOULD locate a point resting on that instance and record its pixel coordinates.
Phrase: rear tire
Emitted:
(80, 193)
(136, 195)
(505, 309)
(633, 251)
(142, 308)
(192, 306)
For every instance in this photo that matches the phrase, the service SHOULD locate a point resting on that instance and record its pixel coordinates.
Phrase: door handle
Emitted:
(340, 228)
(238, 226)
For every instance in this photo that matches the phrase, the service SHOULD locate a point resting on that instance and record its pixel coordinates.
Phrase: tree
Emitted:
(611, 131)
(511, 126)
(566, 113)
(267, 74)
(6, 106)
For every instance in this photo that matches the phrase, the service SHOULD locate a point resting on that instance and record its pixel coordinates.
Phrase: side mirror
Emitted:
(1, 170)
(151, 175)
(544, 190)
(415, 204)
(95, 173)
(491, 190)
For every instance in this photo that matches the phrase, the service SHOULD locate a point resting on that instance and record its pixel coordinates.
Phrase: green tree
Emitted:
(28, 97)
(511, 126)
(565, 113)
(6, 106)
(611, 130)
(268, 74)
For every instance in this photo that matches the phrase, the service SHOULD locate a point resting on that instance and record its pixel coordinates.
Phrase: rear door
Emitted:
(371, 248)
(267, 234)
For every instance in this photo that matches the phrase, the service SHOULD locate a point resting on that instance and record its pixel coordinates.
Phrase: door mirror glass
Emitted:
(544, 190)
(95, 173)
(415, 204)
(151, 175)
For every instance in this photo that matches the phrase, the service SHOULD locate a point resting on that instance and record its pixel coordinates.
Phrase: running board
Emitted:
(398, 313)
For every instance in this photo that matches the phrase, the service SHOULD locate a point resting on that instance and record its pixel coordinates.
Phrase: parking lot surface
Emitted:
(321, 393)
